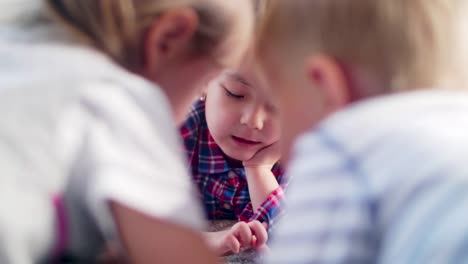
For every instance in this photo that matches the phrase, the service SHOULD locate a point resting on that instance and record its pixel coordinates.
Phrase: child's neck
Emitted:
(233, 163)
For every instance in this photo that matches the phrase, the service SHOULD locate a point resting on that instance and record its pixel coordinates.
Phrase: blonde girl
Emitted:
(89, 90)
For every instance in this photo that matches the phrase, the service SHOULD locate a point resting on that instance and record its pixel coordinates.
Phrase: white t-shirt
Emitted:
(73, 122)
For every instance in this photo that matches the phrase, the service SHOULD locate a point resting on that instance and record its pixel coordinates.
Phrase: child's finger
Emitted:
(259, 230)
(254, 241)
(232, 244)
(243, 233)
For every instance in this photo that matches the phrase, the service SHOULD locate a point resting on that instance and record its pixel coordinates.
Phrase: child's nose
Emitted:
(254, 118)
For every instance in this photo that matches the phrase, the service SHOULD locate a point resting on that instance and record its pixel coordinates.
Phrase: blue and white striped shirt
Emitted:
(385, 181)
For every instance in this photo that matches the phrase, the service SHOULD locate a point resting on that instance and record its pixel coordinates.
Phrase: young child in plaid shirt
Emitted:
(231, 137)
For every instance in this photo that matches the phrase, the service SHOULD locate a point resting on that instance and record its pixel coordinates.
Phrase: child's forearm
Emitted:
(216, 240)
(213, 238)
(150, 240)
(261, 183)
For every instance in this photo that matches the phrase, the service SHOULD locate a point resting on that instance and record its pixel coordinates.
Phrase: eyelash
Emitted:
(231, 94)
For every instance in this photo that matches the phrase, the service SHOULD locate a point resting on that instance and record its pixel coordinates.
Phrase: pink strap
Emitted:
(61, 227)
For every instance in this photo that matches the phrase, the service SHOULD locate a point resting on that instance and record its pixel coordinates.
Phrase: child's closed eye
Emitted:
(232, 94)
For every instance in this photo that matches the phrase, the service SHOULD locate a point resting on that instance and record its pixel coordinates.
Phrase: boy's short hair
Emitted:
(405, 43)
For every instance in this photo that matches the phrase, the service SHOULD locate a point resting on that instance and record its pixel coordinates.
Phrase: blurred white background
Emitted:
(13, 10)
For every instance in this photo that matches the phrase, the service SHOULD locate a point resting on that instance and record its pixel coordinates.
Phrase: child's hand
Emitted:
(265, 157)
(243, 236)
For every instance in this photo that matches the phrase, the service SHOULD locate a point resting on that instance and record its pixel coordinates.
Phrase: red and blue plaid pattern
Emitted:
(223, 188)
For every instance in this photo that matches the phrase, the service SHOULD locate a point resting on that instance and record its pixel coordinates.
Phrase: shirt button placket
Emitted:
(232, 179)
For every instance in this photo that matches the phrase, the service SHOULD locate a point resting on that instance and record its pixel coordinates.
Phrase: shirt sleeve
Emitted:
(329, 217)
(122, 145)
(267, 211)
(272, 208)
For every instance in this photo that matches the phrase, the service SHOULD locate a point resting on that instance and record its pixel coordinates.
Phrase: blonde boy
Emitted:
(380, 170)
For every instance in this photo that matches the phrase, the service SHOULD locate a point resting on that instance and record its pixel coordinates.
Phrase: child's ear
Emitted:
(326, 74)
(169, 38)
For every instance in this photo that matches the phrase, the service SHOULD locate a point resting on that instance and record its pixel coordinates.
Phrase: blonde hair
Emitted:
(117, 27)
(407, 44)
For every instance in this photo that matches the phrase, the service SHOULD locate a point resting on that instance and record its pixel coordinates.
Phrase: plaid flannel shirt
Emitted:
(223, 189)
